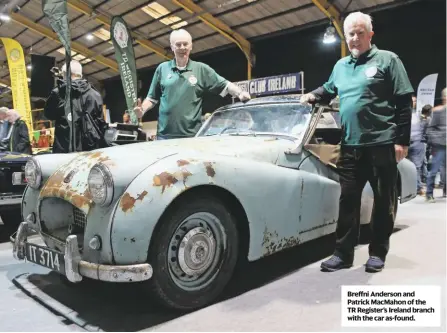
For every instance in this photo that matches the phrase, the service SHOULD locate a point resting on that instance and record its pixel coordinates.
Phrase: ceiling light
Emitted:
(156, 11)
(329, 35)
(89, 36)
(29, 67)
(4, 17)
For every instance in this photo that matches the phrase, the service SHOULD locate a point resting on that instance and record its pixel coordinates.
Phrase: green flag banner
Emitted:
(57, 14)
(125, 57)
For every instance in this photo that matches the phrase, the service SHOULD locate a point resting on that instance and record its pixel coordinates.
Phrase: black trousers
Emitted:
(357, 166)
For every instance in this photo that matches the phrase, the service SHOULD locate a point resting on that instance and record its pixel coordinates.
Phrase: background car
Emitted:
(12, 185)
(258, 178)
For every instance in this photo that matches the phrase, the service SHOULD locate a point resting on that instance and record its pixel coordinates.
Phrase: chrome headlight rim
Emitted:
(38, 171)
(108, 183)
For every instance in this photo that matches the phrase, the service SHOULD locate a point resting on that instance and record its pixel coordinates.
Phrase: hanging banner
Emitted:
(272, 85)
(57, 14)
(19, 80)
(125, 57)
(426, 91)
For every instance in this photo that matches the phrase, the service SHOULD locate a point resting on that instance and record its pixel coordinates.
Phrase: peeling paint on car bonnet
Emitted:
(69, 182)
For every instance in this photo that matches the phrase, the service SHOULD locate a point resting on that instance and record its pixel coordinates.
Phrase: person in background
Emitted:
(179, 86)
(44, 138)
(418, 139)
(126, 118)
(375, 109)
(17, 140)
(426, 116)
(414, 101)
(85, 99)
(4, 124)
(436, 133)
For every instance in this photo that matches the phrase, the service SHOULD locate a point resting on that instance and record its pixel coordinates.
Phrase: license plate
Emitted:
(45, 257)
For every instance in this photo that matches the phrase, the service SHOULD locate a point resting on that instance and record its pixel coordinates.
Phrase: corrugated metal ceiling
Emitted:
(250, 18)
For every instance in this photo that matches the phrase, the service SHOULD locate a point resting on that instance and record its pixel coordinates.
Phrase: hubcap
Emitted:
(195, 251)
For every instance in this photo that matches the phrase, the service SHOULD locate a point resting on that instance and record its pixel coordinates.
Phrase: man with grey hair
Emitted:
(87, 102)
(179, 86)
(375, 109)
(4, 125)
(16, 139)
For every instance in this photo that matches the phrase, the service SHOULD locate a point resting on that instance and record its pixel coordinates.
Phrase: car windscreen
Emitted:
(282, 119)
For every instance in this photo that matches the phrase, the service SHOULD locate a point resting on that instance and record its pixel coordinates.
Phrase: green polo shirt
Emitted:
(368, 87)
(180, 93)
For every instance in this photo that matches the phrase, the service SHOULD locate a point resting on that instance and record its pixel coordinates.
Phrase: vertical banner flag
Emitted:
(426, 91)
(125, 57)
(19, 80)
(56, 12)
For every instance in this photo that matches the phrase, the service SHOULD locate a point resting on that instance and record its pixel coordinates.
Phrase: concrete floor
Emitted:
(285, 292)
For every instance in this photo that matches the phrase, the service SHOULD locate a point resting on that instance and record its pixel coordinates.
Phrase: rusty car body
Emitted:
(258, 178)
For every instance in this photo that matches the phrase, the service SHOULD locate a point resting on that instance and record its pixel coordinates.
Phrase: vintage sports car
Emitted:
(12, 185)
(178, 214)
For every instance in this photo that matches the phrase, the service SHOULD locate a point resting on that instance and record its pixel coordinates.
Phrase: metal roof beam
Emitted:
(89, 11)
(220, 27)
(75, 46)
(334, 15)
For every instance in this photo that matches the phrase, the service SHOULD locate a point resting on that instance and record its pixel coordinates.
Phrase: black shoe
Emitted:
(334, 263)
(374, 264)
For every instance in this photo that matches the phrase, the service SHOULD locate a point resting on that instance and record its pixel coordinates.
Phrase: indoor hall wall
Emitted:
(416, 32)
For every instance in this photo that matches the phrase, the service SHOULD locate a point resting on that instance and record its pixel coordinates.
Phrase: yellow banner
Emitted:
(19, 80)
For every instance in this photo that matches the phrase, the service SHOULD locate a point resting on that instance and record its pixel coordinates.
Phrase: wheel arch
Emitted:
(228, 198)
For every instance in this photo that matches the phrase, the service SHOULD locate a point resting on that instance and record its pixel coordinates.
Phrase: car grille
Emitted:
(59, 218)
(80, 220)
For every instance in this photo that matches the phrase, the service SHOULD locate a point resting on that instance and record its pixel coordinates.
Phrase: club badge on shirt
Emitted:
(193, 80)
(169, 76)
(371, 71)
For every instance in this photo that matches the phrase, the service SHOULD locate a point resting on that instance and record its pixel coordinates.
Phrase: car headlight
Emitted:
(33, 173)
(100, 184)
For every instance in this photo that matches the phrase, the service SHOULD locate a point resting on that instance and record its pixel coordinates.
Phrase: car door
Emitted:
(317, 186)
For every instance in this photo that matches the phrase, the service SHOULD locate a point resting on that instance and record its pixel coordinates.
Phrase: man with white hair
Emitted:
(4, 124)
(85, 98)
(17, 138)
(375, 109)
(179, 86)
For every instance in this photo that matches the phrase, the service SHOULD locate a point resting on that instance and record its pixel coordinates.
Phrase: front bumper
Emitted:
(76, 268)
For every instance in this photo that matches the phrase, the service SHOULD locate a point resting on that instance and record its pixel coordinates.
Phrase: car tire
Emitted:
(199, 232)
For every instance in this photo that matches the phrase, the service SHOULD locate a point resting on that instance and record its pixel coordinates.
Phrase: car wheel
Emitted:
(193, 253)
